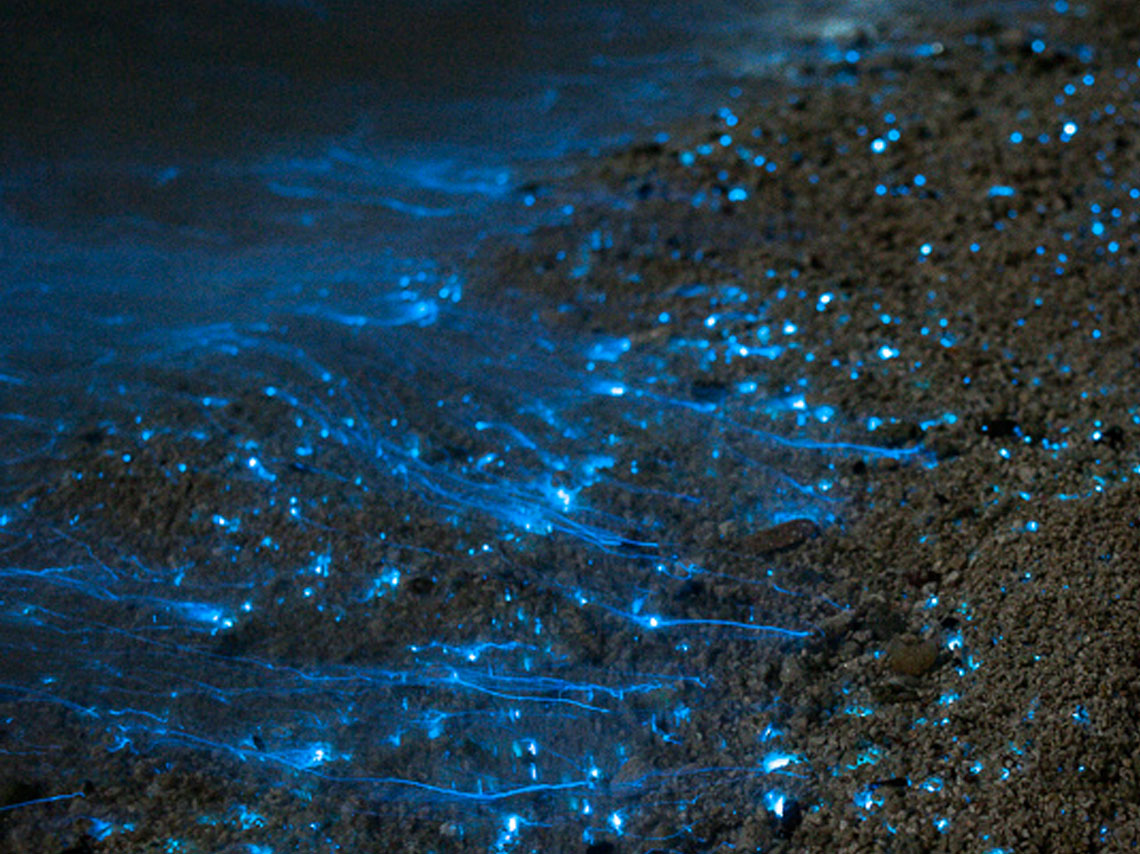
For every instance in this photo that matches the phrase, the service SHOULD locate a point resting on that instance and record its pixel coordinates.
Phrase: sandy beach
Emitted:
(861, 572)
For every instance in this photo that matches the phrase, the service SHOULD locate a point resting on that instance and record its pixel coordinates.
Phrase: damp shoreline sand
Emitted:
(972, 678)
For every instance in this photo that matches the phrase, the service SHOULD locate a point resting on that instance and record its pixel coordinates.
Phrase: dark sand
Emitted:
(979, 689)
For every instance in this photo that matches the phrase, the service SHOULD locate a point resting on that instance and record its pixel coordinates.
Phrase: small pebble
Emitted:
(911, 657)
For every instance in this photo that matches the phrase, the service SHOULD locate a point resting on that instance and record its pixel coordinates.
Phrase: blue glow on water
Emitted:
(520, 453)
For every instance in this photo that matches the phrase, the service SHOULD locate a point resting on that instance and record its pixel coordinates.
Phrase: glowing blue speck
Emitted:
(776, 761)
(775, 802)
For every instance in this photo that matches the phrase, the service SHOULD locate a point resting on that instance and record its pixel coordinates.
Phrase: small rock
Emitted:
(786, 535)
(911, 657)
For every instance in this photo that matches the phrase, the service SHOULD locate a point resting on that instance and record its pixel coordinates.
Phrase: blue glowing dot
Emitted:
(737, 194)
(1069, 128)
(879, 146)
(886, 352)
(775, 761)
(1037, 46)
(1015, 137)
(926, 249)
(775, 802)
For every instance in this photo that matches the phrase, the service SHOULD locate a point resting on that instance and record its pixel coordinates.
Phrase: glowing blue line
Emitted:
(47, 800)
(414, 210)
(44, 695)
(656, 622)
(522, 698)
(813, 445)
(461, 795)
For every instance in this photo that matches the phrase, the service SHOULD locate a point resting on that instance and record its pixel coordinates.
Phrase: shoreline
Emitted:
(967, 673)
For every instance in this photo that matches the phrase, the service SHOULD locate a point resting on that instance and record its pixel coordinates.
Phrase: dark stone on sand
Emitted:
(693, 589)
(86, 845)
(786, 535)
(789, 820)
(1112, 436)
(421, 585)
(884, 622)
(708, 391)
(94, 436)
(891, 783)
(911, 657)
(998, 428)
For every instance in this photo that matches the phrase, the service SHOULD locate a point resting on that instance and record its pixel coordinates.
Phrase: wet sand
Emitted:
(967, 289)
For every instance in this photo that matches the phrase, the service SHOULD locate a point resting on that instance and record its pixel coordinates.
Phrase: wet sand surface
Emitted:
(860, 574)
